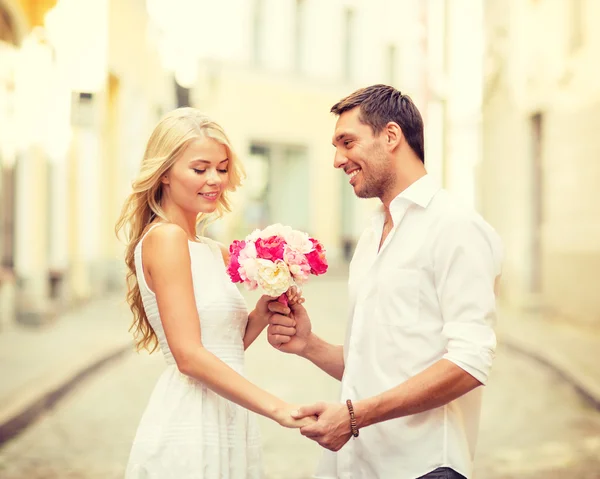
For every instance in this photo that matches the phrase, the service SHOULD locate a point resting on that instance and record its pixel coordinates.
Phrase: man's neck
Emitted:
(403, 181)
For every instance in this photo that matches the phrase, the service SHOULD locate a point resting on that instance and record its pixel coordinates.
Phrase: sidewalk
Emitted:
(572, 351)
(38, 365)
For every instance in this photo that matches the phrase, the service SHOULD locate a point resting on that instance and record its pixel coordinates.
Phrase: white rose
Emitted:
(299, 241)
(252, 237)
(275, 230)
(249, 251)
(249, 268)
(274, 278)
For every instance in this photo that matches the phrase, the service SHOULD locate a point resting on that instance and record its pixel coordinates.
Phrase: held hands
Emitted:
(283, 416)
(332, 427)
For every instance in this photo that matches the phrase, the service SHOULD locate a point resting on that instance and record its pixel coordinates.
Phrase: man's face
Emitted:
(362, 156)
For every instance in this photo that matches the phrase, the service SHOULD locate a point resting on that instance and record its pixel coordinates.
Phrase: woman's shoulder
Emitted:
(164, 237)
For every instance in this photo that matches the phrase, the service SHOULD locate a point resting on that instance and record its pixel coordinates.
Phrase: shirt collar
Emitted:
(420, 193)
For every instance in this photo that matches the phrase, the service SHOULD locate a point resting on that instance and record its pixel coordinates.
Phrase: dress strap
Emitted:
(213, 245)
(138, 251)
(149, 229)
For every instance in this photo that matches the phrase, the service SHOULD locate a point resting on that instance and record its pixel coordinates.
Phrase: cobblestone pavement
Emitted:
(533, 426)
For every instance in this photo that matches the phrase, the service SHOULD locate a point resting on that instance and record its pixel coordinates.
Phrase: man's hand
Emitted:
(262, 311)
(289, 329)
(332, 429)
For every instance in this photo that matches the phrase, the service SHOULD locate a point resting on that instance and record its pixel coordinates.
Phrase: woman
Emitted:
(198, 422)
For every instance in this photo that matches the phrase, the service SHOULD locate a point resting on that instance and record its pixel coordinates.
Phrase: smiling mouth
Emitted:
(210, 196)
(352, 174)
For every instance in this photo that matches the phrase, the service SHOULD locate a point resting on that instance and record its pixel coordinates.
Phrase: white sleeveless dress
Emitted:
(187, 430)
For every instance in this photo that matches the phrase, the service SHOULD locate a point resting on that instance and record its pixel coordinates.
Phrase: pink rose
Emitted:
(233, 269)
(316, 258)
(297, 264)
(270, 248)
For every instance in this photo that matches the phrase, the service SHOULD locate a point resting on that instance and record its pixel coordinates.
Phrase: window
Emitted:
(299, 34)
(258, 32)
(537, 201)
(576, 27)
(7, 217)
(348, 42)
(182, 95)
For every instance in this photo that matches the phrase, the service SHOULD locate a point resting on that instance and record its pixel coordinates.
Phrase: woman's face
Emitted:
(198, 179)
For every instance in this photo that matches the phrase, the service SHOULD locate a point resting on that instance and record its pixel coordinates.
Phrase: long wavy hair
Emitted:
(143, 205)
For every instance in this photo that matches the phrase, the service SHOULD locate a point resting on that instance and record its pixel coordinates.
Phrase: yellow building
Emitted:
(541, 150)
(75, 112)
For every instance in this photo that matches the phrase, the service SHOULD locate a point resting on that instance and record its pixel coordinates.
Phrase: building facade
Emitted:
(74, 115)
(541, 150)
(96, 75)
(273, 76)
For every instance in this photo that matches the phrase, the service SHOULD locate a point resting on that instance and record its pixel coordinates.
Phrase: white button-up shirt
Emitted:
(427, 294)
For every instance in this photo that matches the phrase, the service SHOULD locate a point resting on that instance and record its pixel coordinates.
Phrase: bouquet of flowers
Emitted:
(275, 259)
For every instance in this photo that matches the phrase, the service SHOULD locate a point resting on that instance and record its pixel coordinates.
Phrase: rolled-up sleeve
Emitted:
(467, 261)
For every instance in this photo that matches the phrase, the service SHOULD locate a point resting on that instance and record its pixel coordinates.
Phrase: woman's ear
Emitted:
(165, 179)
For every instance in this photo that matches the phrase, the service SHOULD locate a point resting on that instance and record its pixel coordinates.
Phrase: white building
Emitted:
(541, 151)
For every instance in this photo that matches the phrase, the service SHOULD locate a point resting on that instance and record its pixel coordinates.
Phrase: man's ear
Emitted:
(393, 135)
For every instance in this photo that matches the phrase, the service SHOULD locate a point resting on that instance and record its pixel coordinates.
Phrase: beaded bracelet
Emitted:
(353, 426)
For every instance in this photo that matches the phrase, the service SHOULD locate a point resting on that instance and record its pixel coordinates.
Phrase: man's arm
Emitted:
(328, 357)
(291, 332)
(438, 385)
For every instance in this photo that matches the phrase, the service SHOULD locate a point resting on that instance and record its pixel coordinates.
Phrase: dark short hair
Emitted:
(380, 104)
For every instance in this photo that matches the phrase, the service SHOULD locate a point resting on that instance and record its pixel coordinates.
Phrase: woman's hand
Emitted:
(283, 416)
(294, 296)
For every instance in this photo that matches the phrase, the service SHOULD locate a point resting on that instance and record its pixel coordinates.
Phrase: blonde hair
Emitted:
(167, 142)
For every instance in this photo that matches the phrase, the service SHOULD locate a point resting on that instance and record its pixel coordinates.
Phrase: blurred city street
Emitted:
(534, 424)
(510, 100)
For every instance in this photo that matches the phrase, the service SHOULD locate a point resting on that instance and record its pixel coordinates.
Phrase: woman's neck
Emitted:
(179, 217)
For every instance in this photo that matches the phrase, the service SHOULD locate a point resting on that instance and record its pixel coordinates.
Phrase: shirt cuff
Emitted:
(478, 366)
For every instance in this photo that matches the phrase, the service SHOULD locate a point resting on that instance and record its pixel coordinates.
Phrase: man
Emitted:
(420, 338)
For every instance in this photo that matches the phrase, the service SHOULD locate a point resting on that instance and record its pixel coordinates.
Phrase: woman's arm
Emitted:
(257, 321)
(166, 254)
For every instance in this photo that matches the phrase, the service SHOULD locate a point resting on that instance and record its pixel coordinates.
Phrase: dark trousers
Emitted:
(443, 473)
